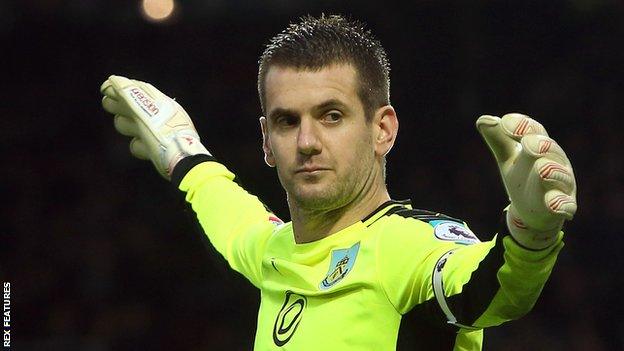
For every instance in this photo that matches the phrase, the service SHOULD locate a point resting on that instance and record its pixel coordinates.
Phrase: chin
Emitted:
(317, 198)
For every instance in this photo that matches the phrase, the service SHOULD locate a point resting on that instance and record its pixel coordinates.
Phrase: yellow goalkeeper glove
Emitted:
(162, 131)
(537, 175)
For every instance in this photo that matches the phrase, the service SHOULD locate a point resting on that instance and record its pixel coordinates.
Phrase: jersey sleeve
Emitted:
(468, 285)
(237, 224)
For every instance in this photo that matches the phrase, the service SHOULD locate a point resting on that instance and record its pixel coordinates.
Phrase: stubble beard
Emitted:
(330, 195)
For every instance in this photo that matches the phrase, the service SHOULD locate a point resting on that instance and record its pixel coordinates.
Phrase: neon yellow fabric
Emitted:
(349, 291)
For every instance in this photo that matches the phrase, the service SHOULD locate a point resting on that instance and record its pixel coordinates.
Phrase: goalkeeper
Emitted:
(354, 266)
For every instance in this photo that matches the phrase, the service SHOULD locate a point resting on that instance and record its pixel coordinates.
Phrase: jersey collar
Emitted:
(384, 208)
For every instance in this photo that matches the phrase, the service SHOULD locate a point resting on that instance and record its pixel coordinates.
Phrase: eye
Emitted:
(287, 120)
(332, 117)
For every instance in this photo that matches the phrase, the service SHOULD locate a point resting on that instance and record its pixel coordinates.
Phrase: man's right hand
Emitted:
(162, 131)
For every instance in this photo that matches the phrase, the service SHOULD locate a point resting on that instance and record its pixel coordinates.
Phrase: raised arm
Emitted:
(470, 286)
(237, 223)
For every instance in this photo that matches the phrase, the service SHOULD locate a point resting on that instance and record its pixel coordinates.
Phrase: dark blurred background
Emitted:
(102, 253)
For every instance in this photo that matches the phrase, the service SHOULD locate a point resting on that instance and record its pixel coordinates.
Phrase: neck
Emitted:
(312, 225)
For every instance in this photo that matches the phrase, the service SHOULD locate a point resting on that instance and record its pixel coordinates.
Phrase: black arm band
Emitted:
(185, 165)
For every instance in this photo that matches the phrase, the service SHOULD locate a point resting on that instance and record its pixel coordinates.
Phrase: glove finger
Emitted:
(518, 125)
(561, 203)
(107, 89)
(105, 85)
(539, 146)
(555, 175)
(126, 126)
(111, 106)
(138, 149)
(119, 82)
(503, 146)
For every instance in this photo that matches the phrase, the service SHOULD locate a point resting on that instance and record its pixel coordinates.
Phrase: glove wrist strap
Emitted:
(527, 237)
(180, 145)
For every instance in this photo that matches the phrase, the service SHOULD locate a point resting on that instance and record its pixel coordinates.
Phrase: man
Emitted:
(353, 263)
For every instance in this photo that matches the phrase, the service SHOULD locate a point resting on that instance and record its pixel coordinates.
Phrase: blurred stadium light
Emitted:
(157, 10)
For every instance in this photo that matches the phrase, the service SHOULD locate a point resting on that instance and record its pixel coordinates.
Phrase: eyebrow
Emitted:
(330, 103)
(280, 111)
(277, 112)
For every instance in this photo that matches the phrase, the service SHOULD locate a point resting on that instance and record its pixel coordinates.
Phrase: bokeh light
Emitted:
(157, 10)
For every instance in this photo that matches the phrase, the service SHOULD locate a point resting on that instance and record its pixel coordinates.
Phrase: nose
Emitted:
(308, 141)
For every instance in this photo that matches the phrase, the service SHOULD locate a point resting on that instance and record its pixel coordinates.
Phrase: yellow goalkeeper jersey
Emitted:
(397, 275)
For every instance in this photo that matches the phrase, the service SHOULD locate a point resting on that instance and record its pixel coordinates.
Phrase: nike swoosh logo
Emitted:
(274, 266)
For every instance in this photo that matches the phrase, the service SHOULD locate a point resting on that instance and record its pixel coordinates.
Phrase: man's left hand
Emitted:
(537, 175)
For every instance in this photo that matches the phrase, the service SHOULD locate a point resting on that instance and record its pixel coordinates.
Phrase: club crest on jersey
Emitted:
(453, 231)
(342, 262)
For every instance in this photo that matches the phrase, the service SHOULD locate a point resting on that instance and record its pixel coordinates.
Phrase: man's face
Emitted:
(316, 135)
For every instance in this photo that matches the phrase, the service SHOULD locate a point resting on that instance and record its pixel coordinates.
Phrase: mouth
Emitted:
(311, 170)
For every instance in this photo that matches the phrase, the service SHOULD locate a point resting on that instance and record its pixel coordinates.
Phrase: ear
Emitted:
(385, 129)
(266, 143)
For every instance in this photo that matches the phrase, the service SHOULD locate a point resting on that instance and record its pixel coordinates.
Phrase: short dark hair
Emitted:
(317, 42)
